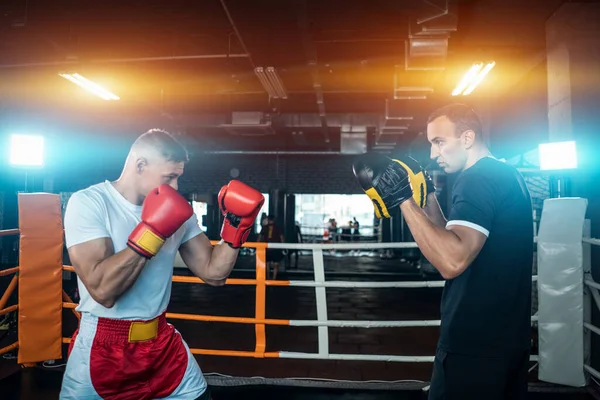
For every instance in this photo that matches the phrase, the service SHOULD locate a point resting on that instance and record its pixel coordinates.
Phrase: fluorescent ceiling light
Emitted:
(271, 81)
(90, 86)
(472, 78)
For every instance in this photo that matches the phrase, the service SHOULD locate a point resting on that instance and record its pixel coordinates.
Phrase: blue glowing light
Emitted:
(27, 150)
(558, 155)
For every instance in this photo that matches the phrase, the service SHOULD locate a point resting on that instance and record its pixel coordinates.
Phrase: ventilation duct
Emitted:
(425, 53)
(408, 92)
(299, 138)
(437, 21)
(249, 124)
(427, 46)
(354, 142)
(346, 122)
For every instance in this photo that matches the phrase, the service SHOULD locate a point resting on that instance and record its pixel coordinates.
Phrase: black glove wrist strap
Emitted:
(232, 246)
(139, 253)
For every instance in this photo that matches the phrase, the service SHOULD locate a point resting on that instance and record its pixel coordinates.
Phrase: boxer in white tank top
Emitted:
(122, 239)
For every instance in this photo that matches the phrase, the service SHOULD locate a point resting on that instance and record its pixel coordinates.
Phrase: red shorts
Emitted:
(133, 360)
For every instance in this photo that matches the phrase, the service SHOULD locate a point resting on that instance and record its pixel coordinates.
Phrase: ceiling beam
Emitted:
(124, 60)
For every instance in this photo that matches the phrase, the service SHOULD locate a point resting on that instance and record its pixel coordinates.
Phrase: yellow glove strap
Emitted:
(149, 241)
(418, 184)
(380, 208)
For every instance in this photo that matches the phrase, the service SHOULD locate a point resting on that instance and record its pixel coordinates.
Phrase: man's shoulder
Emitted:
(489, 172)
(507, 178)
(499, 169)
(94, 190)
(94, 194)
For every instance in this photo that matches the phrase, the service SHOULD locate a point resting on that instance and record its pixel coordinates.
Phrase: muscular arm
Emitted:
(450, 251)
(211, 264)
(106, 275)
(434, 211)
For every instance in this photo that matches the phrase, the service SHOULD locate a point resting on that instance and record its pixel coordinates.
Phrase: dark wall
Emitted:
(294, 173)
(330, 174)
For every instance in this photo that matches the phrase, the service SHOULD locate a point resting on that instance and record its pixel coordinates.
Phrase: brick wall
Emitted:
(296, 174)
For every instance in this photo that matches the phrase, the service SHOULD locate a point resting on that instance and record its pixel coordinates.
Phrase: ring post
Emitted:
(261, 300)
(561, 292)
(40, 277)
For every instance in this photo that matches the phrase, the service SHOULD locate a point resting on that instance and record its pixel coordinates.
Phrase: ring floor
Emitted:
(300, 304)
(36, 384)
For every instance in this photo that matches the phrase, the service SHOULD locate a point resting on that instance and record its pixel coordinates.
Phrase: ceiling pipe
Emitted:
(124, 60)
(311, 92)
(443, 11)
(358, 40)
(311, 53)
(237, 32)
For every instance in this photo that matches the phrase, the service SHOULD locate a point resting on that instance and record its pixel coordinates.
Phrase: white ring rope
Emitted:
(323, 323)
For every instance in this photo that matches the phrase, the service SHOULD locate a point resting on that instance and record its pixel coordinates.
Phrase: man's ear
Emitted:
(140, 164)
(469, 139)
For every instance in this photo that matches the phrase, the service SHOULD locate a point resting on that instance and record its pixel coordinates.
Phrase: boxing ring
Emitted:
(564, 285)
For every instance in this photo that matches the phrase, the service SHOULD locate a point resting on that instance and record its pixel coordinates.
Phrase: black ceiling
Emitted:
(189, 65)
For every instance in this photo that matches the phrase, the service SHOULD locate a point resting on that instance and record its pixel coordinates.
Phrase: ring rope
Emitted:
(260, 321)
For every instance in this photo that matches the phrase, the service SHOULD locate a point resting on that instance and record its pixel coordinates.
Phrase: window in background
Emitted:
(200, 210)
(313, 212)
(264, 209)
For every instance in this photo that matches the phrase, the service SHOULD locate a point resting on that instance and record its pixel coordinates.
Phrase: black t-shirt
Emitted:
(487, 309)
(271, 233)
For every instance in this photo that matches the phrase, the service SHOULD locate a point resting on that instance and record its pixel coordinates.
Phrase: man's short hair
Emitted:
(463, 117)
(165, 144)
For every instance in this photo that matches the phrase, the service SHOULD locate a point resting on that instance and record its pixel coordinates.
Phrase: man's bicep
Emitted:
(472, 241)
(473, 205)
(196, 253)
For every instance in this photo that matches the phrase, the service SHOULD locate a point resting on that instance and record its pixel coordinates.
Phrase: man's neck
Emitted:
(476, 155)
(127, 189)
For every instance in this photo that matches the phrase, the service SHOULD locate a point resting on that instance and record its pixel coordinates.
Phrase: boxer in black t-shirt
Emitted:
(484, 250)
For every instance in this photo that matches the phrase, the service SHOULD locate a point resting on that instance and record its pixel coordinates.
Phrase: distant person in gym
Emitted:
(271, 233)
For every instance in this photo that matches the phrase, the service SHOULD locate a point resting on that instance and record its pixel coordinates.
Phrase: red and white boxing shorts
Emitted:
(133, 360)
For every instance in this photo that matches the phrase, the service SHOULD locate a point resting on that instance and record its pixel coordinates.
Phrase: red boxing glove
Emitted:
(163, 212)
(240, 204)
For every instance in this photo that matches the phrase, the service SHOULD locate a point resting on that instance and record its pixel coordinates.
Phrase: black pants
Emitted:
(289, 258)
(466, 377)
(205, 395)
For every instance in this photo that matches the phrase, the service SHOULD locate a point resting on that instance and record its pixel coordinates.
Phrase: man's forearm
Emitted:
(115, 275)
(221, 263)
(434, 211)
(439, 245)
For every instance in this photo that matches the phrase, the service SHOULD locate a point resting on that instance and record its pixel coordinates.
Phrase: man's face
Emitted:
(447, 149)
(156, 172)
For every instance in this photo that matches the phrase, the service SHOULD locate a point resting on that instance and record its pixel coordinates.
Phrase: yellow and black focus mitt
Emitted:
(384, 180)
(420, 180)
(389, 182)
